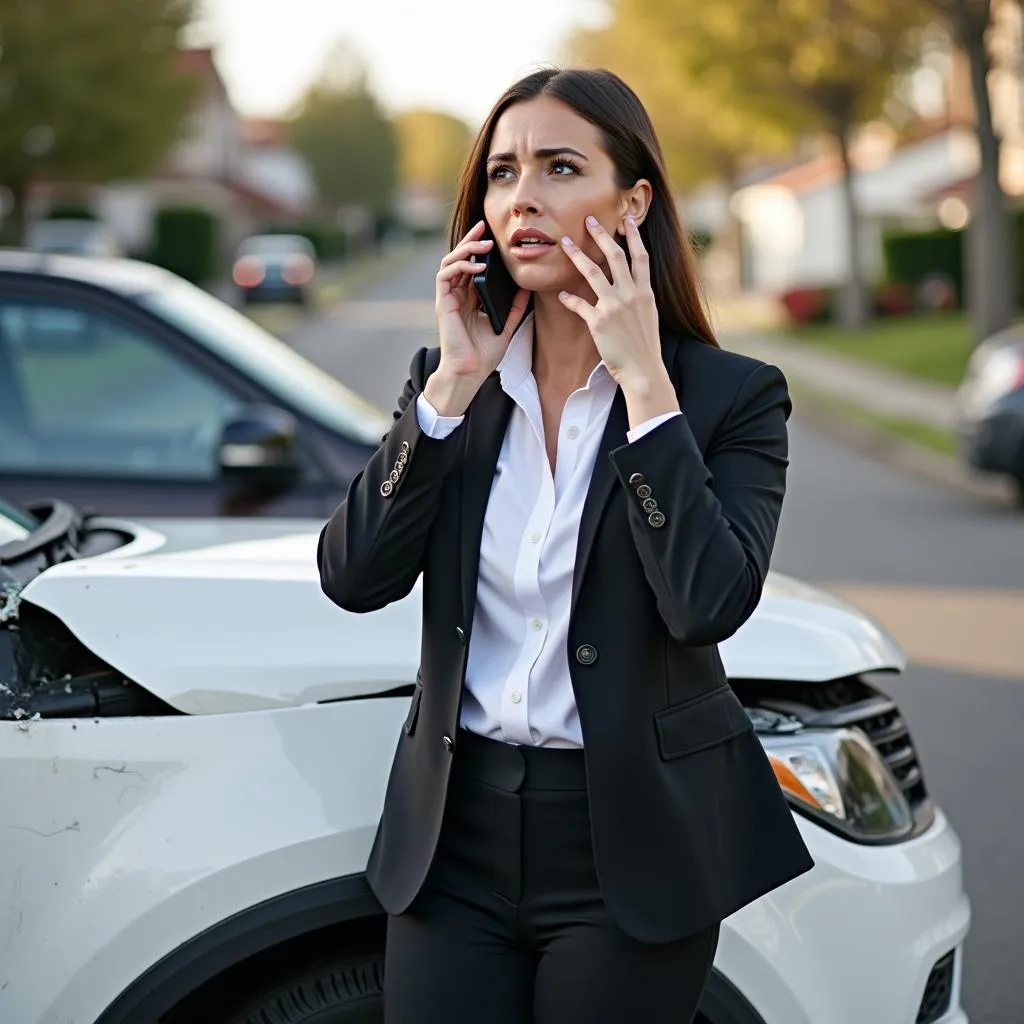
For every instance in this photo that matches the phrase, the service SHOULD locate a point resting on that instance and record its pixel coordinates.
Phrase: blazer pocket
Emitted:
(701, 722)
(414, 709)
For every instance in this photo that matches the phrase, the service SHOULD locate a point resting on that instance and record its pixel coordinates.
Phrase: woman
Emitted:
(577, 799)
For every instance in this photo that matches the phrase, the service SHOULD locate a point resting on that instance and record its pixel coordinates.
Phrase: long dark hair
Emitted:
(604, 99)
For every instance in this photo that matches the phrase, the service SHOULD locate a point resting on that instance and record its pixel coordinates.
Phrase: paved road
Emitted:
(945, 573)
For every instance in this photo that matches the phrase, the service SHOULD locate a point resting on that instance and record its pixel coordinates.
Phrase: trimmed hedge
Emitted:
(186, 241)
(913, 256)
(71, 211)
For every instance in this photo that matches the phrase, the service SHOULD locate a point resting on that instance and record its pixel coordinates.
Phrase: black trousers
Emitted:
(510, 927)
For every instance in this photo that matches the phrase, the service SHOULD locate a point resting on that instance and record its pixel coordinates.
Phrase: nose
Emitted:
(524, 196)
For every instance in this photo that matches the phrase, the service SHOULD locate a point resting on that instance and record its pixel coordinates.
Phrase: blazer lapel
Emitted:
(486, 422)
(603, 479)
(602, 483)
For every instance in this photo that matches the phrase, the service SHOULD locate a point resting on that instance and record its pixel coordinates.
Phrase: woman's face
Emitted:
(547, 171)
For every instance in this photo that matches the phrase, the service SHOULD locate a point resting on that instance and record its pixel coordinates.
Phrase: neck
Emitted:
(564, 353)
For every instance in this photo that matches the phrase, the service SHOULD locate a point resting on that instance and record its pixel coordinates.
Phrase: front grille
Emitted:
(850, 703)
(938, 990)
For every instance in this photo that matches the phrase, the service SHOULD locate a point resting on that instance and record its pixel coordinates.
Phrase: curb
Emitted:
(900, 453)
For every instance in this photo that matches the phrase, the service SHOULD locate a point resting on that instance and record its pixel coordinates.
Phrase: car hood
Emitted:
(224, 616)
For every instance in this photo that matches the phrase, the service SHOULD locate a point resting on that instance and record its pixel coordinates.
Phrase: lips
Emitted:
(530, 243)
(530, 236)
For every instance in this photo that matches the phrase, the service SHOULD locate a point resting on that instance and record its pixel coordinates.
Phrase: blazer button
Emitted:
(649, 505)
(386, 488)
(656, 519)
(448, 743)
(637, 479)
(461, 634)
(643, 491)
(586, 655)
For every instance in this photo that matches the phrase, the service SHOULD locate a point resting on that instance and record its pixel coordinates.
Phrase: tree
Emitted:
(349, 142)
(89, 90)
(990, 244)
(432, 147)
(704, 136)
(827, 64)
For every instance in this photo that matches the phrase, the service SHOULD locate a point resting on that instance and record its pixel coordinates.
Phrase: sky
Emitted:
(453, 56)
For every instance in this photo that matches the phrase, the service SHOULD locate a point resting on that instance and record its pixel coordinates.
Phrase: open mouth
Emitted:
(529, 243)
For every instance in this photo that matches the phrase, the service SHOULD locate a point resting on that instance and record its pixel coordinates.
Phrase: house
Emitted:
(249, 183)
(792, 220)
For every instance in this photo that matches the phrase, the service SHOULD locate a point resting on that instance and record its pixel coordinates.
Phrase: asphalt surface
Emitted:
(944, 572)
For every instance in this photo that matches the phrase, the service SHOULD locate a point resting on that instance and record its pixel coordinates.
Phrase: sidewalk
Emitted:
(871, 387)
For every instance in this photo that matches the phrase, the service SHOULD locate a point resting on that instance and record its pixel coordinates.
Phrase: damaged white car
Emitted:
(194, 744)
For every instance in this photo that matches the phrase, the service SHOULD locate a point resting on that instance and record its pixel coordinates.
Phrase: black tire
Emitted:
(339, 991)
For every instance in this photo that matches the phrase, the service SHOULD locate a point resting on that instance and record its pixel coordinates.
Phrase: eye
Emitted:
(498, 172)
(563, 168)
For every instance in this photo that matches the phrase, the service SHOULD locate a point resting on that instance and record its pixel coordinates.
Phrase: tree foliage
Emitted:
(89, 89)
(350, 143)
(432, 147)
(705, 135)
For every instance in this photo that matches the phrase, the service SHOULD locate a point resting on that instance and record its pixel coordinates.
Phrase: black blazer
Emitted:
(688, 821)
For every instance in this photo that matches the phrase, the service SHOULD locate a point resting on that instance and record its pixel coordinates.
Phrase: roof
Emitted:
(199, 61)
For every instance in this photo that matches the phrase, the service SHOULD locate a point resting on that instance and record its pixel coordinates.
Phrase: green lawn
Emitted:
(931, 345)
(940, 441)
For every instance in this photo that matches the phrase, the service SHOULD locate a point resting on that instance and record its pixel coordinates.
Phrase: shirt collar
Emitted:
(517, 362)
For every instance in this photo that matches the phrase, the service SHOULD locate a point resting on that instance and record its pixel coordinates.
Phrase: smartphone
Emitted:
(496, 288)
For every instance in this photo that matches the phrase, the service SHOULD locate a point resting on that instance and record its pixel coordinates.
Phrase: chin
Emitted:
(542, 279)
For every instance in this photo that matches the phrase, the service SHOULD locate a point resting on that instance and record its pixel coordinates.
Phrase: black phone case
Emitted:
(496, 289)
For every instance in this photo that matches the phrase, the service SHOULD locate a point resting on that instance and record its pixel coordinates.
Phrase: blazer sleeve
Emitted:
(371, 550)
(705, 548)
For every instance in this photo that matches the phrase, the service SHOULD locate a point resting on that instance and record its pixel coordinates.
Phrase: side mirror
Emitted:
(259, 449)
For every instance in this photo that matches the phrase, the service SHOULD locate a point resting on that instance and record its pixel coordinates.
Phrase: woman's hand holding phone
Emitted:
(470, 350)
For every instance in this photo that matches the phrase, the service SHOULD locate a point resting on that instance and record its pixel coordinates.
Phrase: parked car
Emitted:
(194, 746)
(275, 268)
(73, 237)
(125, 388)
(990, 407)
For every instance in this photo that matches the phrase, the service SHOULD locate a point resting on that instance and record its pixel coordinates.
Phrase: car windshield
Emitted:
(268, 361)
(272, 245)
(14, 524)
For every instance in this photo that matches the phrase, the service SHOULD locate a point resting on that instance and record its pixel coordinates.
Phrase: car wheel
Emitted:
(339, 991)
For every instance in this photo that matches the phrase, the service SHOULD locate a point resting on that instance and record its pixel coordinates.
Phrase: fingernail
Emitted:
(566, 240)
(631, 221)
(563, 295)
(592, 222)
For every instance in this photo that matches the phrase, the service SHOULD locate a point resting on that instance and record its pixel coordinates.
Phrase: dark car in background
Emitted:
(990, 407)
(275, 268)
(125, 389)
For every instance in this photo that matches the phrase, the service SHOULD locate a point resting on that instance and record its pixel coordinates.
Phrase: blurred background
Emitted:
(851, 173)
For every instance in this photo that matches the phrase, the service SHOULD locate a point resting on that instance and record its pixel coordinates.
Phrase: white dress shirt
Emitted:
(518, 687)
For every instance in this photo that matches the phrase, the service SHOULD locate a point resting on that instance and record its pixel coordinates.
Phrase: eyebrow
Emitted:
(540, 154)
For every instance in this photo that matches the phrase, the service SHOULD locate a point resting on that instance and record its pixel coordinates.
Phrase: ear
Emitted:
(635, 202)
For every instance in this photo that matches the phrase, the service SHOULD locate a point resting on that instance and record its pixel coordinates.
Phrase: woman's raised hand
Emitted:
(470, 350)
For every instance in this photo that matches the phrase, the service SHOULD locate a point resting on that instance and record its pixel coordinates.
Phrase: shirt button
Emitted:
(516, 696)
(537, 624)
(535, 537)
(572, 433)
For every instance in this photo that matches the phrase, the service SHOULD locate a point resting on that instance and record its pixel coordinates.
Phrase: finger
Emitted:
(464, 249)
(614, 254)
(579, 306)
(591, 272)
(453, 270)
(638, 254)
